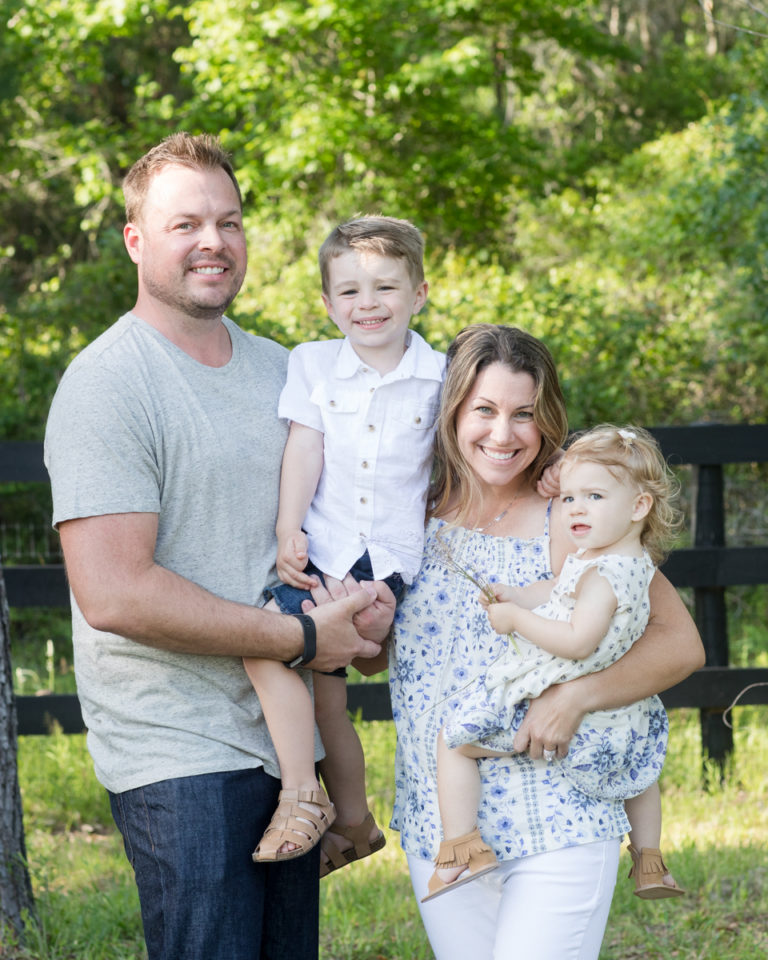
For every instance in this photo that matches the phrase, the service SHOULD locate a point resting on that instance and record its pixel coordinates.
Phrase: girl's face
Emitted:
(603, 513)
(495, 429)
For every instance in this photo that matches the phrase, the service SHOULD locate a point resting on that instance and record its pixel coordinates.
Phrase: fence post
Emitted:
(710, 613)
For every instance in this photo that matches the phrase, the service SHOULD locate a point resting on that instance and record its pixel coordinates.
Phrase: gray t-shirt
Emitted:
(137, 425)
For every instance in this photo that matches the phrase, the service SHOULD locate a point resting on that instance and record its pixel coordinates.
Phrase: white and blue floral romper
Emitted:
(615, 753)
(443, 645)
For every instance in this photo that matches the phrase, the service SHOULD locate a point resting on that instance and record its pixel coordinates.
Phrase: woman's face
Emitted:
(495, 429)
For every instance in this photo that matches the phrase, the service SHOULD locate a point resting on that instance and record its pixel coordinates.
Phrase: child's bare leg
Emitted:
(343, 768)
(644, 813)
(288, 710)
(458, 795)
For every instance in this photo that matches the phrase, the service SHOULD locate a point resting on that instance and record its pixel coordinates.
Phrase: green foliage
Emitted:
(593, 175)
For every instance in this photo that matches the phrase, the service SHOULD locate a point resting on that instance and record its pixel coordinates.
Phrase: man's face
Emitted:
(189, 246)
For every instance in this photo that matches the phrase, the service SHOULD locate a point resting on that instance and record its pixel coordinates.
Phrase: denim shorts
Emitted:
(289, 599)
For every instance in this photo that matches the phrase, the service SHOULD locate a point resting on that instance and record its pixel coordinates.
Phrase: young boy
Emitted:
(352, 500)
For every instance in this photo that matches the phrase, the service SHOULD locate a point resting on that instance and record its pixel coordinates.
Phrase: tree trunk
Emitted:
(15, 886)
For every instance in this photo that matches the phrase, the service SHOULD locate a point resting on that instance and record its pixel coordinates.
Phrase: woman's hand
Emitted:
(551, 721)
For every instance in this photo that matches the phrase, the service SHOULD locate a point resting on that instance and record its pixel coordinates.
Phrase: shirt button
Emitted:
(363, 500)
(332, 403)
(372, 390)
(364, 464)
(417, 419)
(371, 428)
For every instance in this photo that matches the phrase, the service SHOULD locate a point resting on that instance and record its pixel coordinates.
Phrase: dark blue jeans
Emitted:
(189, 841)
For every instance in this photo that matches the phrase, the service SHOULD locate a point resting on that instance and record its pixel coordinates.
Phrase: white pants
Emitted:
(551, 906)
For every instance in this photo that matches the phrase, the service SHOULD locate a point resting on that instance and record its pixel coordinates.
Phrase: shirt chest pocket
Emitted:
(334, 403)
(416, 415)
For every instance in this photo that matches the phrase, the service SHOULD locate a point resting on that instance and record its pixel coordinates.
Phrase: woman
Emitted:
(502, 418)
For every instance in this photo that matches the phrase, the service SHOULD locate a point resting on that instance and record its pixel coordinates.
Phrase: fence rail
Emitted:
(709, 567)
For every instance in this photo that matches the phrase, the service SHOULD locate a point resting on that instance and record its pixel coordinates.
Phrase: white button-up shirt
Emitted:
(378, 433)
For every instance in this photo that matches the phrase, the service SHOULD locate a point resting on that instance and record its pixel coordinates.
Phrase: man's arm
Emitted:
(668, 652)
(119, 588)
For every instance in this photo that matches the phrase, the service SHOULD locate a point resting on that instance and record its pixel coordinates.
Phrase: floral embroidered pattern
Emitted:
(444, 646)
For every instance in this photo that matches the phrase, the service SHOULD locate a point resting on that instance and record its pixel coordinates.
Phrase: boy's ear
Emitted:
(643, 504)
(420, 298)
(327, 304)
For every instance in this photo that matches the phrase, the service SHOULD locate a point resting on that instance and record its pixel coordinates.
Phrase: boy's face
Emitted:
(371, 299)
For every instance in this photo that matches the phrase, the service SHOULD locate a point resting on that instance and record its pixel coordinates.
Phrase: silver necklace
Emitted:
(501, 516)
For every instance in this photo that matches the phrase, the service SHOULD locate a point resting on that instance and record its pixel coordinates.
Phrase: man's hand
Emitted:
(372, 622)
(338, 640)
(551, 721)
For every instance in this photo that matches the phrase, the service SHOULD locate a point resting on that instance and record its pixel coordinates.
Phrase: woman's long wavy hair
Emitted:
(475, 348)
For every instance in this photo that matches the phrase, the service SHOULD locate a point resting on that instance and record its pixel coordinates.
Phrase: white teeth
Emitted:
(369, 323)
(498, 456)
(208, 270)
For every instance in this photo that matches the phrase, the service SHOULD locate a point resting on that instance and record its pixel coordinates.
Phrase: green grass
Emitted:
(715, 840)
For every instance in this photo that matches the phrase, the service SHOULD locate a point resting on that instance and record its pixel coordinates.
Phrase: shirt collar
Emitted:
(419, 360)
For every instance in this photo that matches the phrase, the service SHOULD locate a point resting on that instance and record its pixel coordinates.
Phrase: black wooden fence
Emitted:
(708, 566)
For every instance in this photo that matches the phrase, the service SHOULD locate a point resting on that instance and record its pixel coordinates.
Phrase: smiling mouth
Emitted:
(578, 528)
(370, 322)
(499, 456)
(208, 271)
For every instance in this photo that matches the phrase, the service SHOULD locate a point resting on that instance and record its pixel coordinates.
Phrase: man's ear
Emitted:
(132, 239)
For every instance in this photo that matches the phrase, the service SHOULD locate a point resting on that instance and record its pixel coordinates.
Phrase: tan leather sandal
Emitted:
(293, 823)
(333, 859)
(471, 850)
(649, 870)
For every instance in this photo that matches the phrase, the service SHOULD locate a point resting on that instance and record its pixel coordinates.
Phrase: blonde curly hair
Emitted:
(632, 455)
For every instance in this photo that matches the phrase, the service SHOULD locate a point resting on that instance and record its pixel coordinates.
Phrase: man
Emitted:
(164, 450)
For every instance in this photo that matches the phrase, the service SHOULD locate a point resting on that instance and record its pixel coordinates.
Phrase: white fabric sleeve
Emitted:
(295, 403)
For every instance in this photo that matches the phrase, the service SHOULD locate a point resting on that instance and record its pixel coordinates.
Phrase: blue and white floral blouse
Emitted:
(444, 642)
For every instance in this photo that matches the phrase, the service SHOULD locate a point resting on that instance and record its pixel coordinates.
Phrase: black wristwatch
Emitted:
(310, 641)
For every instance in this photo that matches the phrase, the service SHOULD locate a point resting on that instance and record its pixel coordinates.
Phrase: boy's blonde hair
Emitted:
(632, 455)
(384, 236)
(202, 152)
